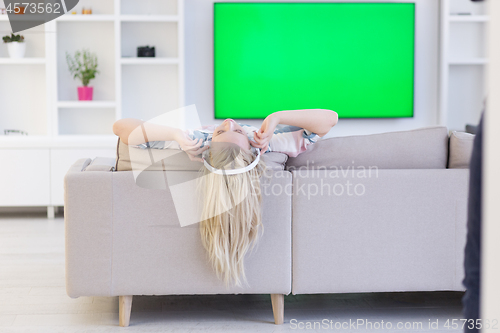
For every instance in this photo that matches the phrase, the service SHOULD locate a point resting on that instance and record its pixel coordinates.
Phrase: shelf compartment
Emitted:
(161, 35)
(23, 96)
(149, 61)
(98, 38)
(85, 104)
(149, 7)
(466, 93)
(22, 61)
(34, 39)
(467, 6)
(149, 18)
(99, 7)
(467, 41)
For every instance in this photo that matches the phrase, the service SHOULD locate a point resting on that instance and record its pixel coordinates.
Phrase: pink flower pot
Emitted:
(85, 93)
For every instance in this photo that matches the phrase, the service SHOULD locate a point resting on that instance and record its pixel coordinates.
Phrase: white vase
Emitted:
(16, 49)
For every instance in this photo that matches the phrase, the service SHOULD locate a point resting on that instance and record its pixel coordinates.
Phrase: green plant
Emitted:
(83, 65)
(13, 38)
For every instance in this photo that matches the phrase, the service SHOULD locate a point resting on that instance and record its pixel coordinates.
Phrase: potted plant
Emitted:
(15, 45)
(83, 65)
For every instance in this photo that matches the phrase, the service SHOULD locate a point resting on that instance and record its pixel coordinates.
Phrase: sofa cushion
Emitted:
(423, 148)
(461, 144)
(174, 159)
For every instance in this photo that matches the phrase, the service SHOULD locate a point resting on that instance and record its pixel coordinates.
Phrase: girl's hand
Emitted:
(190, 146)
(263, 136)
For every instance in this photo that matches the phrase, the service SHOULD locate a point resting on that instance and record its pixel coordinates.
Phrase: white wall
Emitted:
(490, 233)
(199, 69)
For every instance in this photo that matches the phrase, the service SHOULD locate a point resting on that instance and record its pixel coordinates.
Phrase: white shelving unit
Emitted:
(22, 61)
(61, 128)
(462, 63)
(114, 31)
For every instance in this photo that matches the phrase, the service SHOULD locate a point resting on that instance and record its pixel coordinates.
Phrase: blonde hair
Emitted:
(231, 216)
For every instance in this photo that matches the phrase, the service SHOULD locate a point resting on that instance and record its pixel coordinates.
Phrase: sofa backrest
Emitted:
(423, 148)
(173, 159)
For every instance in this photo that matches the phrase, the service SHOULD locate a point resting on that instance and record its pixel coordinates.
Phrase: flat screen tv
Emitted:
(353, 58)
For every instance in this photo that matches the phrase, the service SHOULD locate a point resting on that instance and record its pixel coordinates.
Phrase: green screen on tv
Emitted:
(354, 58)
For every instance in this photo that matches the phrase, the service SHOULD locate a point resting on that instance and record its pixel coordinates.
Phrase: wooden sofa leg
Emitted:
(125, 307)
(278, 302)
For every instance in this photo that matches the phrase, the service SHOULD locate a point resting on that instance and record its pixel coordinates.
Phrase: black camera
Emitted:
(146, 51)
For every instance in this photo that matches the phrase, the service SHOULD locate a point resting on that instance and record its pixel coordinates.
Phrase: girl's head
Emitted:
(229, 131)
(231, 216)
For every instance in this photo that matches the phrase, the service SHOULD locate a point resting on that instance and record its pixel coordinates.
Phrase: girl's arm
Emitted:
(134, 131)
(319, 121)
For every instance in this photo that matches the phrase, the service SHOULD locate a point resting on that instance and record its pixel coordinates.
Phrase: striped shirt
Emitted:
(290, 140)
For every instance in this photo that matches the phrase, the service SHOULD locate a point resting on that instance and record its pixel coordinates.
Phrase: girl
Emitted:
(231, 215)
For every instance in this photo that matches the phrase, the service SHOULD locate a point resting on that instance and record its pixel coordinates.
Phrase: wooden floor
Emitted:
(33, 298)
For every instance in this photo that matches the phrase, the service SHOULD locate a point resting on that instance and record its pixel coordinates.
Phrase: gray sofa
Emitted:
(383, 212)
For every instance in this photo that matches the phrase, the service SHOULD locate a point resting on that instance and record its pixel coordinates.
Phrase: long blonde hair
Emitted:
(231, 216)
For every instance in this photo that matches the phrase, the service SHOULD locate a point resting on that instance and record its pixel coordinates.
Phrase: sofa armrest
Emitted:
(88, 218)
(79, 165)
(102, 164)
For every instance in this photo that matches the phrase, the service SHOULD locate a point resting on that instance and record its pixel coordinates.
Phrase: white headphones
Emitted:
(232, 171)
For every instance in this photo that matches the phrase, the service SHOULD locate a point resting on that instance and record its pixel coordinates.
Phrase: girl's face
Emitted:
(230, 131)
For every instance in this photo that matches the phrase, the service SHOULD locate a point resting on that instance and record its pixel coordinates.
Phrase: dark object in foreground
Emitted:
(472, 261)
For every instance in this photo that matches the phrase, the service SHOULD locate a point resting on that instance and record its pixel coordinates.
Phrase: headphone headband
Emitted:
(233, 171)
